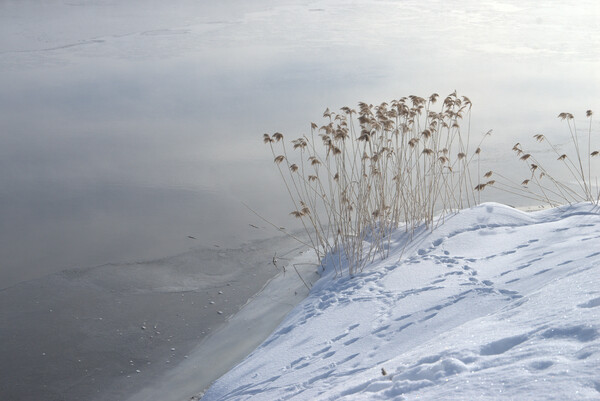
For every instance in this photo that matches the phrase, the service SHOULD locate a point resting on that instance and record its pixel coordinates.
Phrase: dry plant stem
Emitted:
(551, 190)
(364, 172)
(298, 273)
(276, 227)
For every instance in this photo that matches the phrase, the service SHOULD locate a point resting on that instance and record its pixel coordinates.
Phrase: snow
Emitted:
(495, 303)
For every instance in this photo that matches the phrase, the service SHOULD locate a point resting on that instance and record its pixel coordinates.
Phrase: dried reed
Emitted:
(543, 184)
(365, 172)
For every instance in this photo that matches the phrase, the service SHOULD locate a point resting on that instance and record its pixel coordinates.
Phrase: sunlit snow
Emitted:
(494, 304)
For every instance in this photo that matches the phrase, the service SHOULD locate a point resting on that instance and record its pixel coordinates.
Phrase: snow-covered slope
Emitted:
(494, 304)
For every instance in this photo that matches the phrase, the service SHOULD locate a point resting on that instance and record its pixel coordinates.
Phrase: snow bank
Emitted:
(495, 303)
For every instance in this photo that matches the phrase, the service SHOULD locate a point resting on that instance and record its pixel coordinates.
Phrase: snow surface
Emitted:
(496, 303)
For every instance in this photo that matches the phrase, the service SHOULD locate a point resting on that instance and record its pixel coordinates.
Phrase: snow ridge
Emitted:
(495, 303)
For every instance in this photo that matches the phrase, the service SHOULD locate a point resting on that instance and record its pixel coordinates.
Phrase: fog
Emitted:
(120, 118)
(128, 127)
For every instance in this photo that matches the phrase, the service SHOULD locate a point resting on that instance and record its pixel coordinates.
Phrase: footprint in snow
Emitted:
(511, 294)
(542, 272)
(591, 303)
(352, 341)
(501, 346)
(540, 365)
(338, 338)
(580, 333)
(402, 317)
(322, 350)
(431, 316)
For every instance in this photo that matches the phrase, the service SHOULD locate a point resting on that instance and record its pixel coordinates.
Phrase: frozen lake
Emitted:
(128, 127)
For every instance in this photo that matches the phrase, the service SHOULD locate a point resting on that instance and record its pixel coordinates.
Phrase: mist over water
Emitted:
(128, 127)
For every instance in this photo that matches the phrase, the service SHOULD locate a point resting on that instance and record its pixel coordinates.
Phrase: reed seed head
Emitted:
(267, 139)
(565, 116)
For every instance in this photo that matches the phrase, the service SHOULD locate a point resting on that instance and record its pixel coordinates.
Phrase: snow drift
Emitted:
(495, 303)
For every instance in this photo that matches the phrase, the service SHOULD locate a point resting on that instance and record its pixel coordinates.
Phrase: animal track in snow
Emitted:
(584, 353)
(380, 329)
(542, 272)
(428, 317)
(591, 303)
(340, 337)
(404, 326)
(329, 354)
(540, 365)
(511, 294)
(319, 352)
(501, 346)
(580, 333)
(352, 341)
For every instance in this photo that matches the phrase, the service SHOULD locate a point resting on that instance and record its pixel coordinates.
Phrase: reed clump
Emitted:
(578, 161)
(367, 171)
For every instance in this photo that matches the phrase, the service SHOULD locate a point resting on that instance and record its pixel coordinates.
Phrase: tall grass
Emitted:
(577, 163)
(364, 172)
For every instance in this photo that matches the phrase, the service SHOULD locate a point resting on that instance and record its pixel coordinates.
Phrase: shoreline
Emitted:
(110, 330)
(235, 339)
